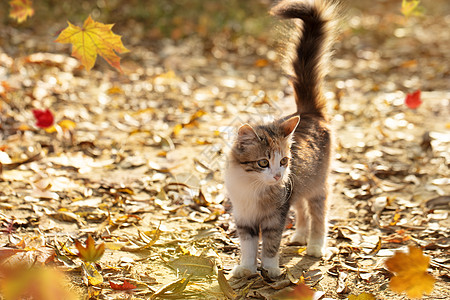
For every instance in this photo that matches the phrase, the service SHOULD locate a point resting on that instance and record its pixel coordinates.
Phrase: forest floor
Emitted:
(140, 168)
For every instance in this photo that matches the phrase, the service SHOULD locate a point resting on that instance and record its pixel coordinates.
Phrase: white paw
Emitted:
(299, 239)
(273, 271)
(243, 271)
(315, 250)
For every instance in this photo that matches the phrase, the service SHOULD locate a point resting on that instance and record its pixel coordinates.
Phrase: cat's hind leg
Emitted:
(301, 233)
(249, 240)
(318, 230)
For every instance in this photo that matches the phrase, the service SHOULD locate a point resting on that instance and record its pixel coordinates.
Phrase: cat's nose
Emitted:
(277, 177)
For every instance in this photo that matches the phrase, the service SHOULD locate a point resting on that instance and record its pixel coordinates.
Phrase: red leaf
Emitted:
(123, 287)
(44, 118)
(413, 100)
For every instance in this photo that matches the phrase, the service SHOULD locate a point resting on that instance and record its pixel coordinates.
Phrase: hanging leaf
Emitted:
(92, 39)
(90, 253)
(413, 100)
(21, 10)
(411, 273)
(411, 7)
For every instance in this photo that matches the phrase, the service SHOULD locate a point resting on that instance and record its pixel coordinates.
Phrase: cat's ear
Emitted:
(289, 125)
(247, 132)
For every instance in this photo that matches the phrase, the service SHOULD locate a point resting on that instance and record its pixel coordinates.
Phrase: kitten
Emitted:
(272, 167)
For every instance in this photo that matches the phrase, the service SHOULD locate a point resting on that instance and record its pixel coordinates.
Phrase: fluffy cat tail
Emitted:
(310, 51)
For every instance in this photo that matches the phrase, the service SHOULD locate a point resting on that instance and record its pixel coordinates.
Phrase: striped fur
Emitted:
(262, 194)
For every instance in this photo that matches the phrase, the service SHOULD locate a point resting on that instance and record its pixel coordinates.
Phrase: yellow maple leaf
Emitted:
(92, 39)
(411, 273)
(21, 9)
(411, 7)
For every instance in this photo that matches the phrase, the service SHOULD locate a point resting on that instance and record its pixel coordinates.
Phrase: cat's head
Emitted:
(264, 151)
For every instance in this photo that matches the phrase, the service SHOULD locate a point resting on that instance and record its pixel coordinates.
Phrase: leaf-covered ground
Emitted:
(136, 159)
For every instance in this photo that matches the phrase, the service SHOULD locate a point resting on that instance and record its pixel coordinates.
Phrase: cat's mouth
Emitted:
(274, 180)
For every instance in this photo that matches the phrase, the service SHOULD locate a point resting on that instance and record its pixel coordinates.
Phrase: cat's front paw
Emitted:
(273, 271)
(243, 271)
(315, 250)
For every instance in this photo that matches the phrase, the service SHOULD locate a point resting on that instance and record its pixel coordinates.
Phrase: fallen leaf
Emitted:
(395, 219)
(92, 275)
(377, 248)
(172, 289)
(342, 287)
(122, 287)
(260, 63)
(21, 10)
(92, 39)
(195, 265)
(280, 284)
(6, 252)
(114, 90)
(36, 283)
(300, 292)
(413, 100)
(44, 118)
(411, 273)
(67, 125)
(32, 252)
(90, 253)
(150, 241)
(362, 296)
(312, 277)
(225, 286)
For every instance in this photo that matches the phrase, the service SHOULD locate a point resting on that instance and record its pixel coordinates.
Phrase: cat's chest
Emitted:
(251, 200)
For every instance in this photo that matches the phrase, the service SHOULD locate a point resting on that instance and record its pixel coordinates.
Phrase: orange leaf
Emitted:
(35, 283)
(21, 10)
(300, 292)
(90, 253)
(411, 273)
(260, 63)
(92, 39)
(67, 125)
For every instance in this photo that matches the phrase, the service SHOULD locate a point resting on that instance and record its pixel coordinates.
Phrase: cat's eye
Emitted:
(284, 161)
(263, 163)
